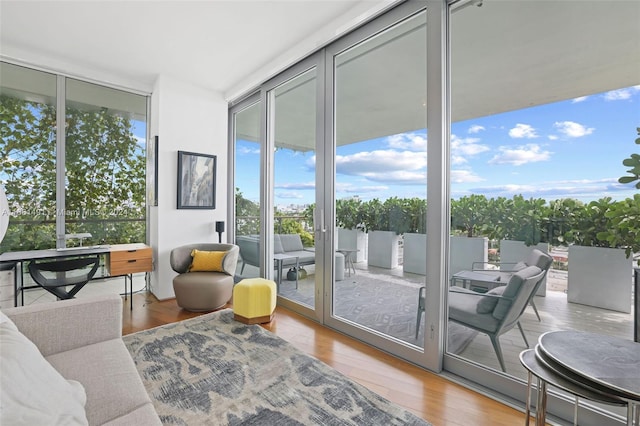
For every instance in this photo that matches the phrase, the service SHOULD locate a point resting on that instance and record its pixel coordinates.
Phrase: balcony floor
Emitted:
(386, 301)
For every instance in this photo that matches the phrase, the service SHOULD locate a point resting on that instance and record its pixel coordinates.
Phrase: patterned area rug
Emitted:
(212, 370)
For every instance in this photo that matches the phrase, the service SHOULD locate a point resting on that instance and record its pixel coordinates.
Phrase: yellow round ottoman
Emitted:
(254, 300)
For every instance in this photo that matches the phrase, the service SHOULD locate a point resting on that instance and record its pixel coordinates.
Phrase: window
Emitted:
(103, 152)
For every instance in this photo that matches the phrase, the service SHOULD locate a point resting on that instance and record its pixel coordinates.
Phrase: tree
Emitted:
(634, 162)
(470, 214)
(247, 215)
(104, 176)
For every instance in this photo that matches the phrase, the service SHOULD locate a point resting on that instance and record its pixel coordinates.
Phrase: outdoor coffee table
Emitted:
(280, 258)
(478, 279)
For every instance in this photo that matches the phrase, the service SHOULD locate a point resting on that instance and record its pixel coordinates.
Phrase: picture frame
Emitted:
(152, 172)
(196, 181)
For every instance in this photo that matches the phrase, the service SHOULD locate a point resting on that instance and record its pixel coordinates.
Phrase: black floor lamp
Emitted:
(220, 230)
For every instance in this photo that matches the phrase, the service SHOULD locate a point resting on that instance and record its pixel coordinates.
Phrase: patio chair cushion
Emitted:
(207, 261)
(462, 308)
(487, 304)
(539, 259)
(512, 289)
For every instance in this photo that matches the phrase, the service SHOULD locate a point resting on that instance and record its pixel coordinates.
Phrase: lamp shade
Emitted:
(4, 213)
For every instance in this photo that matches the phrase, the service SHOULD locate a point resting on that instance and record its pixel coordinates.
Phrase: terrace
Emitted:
(386, 301)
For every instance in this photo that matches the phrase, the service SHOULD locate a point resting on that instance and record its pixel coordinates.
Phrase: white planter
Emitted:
(352, 239)
(464, 251)
(600, 277)
(512, 251)
(415, 253)
(382, 249)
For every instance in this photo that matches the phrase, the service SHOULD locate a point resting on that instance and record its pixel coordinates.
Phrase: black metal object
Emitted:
(219, 230)
(62, 276)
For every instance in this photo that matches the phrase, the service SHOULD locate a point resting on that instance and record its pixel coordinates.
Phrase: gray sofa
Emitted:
(283, 244)
(82, 340)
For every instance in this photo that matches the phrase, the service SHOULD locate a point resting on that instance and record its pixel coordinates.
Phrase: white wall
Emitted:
(186, 118)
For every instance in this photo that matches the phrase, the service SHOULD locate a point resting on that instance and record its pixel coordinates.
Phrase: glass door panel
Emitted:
(293, 106)
(537, 147)
(247, 189)
(380, 181)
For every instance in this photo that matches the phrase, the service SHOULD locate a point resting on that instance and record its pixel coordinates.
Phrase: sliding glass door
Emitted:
(378, 110)
(292, 137)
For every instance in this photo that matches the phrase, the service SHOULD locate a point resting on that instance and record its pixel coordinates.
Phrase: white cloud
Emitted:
(523, 131)
(476, 128)
(552, 137)
(579, 189)
(530, 153)
(380, 162)
(467, 146)
(289, 195)
(621, 94)
(399, 167)
(580, 99)
(410, 141)
(464, 176)
(247, 150)
(572, 129)
(296, 185)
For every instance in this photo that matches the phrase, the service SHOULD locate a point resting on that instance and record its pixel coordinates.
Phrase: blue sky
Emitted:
(568, 149)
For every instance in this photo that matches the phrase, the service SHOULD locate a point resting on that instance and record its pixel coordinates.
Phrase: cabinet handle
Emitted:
(132, 260)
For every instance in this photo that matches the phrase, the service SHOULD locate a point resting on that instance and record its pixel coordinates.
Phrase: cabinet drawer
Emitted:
(120, 255)
(129, 266)
(129, 260)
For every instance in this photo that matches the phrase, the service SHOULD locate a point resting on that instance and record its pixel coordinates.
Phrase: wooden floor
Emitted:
(427, 395)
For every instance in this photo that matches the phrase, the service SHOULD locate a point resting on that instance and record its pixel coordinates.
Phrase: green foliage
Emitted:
(588, 222)
(623, 229)
(561, 215)
(292, 226)
(104, 176)
(471, 215)
(247, 215)
(634, 162)
(350, 213)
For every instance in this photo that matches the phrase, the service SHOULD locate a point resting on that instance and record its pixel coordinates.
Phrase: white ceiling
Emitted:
(210, 43)
(506, 55)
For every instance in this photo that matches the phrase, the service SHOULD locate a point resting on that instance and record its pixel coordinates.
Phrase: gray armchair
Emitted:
(498, 311)
(493, 313)
(536, 258)
(203, 291)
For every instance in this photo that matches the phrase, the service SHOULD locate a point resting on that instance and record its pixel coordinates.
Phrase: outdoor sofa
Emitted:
(289, 245)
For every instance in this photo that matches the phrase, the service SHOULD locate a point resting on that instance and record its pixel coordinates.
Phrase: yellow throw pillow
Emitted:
(207, 261)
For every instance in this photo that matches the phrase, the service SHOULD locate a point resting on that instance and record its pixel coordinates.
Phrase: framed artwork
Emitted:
(196, 180)
(152, 172)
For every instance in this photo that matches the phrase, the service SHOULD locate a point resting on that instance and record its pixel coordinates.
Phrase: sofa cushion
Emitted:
(487, 304)
(291, 242)
(277, 244)
(109, 376)
(462, 308)
(33, 392)
(207, 261)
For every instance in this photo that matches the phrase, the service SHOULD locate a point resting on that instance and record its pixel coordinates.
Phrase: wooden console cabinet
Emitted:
(126, 259)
